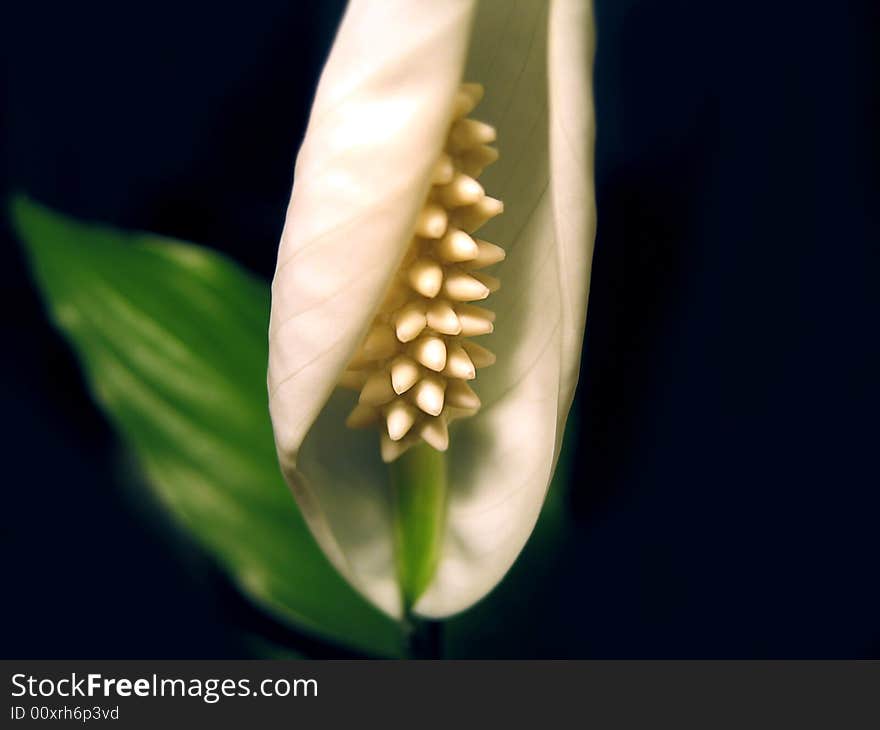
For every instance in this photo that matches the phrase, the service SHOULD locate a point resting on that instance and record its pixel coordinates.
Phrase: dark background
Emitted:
(726, 492)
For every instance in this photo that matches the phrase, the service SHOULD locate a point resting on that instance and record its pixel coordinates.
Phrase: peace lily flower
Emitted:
(373, 349)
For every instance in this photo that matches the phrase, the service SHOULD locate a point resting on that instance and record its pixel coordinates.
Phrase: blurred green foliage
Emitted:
(172, 338)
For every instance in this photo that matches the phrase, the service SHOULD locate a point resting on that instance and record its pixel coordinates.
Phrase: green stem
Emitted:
(418, 487)
(424, 639)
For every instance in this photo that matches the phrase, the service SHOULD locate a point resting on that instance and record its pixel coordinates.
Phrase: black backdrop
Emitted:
(726, 470)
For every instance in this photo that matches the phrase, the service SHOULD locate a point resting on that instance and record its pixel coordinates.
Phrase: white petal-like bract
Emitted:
(371, 152)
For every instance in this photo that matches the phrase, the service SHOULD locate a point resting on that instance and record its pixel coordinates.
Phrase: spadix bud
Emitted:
(416, 352)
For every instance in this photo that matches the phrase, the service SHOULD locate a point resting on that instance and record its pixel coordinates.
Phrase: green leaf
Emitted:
(172, 338)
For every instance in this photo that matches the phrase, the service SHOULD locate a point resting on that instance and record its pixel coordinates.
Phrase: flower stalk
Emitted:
(423, 638)
(418, 490)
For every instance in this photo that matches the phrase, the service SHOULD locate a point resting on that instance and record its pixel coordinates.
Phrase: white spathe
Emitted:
(378, 124)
